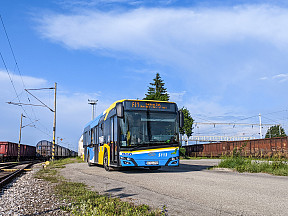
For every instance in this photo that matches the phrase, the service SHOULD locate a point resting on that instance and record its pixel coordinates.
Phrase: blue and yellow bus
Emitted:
(134, 133)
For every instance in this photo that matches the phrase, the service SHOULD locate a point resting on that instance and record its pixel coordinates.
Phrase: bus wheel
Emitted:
(105, 161)
(154, 168)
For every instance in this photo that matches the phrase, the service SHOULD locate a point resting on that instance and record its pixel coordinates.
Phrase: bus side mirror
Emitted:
(120, 110)
(181, 119)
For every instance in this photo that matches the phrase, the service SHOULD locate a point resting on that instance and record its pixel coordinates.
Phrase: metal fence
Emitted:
(256, 148)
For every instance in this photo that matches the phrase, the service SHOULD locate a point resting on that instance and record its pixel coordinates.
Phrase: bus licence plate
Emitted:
(152, 162)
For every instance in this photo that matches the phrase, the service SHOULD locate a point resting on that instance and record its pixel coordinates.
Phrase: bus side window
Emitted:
(101, 134)
(84, 139)
(92, 136)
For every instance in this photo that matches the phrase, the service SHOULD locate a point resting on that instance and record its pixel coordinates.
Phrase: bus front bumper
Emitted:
(129, 162)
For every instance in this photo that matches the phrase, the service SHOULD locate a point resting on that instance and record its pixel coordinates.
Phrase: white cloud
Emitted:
(92, 3)
(8, 93)
(281, 77)
(144, 71)
(177, 96)
(207, 107)
(218, 45)
(17, 79)
(166, 32)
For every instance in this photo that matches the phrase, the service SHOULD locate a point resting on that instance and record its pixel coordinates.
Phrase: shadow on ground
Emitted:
(181, 168)
(115, 193)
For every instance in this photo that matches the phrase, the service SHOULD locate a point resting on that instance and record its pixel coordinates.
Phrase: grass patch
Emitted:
(86, 202)
(242, 164)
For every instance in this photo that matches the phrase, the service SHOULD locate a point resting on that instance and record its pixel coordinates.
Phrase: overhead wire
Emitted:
(12, 82)
(229, 130)
(16, 63)
(24, 86)
(270, 119)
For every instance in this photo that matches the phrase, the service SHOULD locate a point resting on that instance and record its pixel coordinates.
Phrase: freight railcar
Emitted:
(9, 151)
(44, 150)
(74, 154)
(257, 148)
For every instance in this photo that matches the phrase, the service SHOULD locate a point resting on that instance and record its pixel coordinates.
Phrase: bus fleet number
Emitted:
(162, 155)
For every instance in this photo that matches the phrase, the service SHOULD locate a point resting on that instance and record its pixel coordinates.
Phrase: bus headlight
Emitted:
(126, 158)
(174, 158)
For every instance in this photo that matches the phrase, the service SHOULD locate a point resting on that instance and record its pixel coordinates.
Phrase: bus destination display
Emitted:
(145, 105)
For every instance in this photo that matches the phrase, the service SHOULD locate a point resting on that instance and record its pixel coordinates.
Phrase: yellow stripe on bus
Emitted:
(101, 153)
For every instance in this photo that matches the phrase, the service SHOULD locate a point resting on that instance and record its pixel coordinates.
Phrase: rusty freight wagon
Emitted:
(9, 151)
(44, 150)
(256, 148)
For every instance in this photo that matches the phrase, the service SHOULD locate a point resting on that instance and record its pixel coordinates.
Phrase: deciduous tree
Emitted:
(188, 122)
(275, 131)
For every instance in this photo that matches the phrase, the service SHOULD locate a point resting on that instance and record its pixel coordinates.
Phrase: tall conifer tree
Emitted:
(157, 91)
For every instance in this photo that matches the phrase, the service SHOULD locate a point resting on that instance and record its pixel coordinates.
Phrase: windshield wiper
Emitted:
(137, 146)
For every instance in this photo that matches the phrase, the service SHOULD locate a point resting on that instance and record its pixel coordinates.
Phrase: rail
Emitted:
(12, 170)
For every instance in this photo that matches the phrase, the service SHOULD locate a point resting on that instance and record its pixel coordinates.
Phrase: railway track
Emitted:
(9, 171)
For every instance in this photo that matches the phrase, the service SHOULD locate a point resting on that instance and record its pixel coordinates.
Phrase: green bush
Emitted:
(182, 152)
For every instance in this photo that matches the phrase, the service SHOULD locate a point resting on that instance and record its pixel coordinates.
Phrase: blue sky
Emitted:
(226, 61)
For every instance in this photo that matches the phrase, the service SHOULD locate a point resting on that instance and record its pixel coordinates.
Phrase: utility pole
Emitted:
(18, 157)
(54, 124)
(93, 103)
(260, 124)
(43, 105)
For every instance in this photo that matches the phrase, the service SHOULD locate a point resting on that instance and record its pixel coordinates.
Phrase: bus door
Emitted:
(114, 141)
(96, 144)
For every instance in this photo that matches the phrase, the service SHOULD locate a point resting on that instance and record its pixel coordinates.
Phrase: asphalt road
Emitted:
(190, 189)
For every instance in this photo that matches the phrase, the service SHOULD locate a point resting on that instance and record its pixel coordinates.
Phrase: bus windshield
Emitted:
(146, 128)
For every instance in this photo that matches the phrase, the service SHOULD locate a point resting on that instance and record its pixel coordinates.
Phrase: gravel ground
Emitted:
(30, 196)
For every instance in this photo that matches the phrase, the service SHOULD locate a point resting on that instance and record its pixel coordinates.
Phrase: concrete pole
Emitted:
(19, 143)
(54, 124)
(260, 124)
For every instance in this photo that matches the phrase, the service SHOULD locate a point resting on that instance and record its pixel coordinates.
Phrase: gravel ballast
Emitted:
(28, 195)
